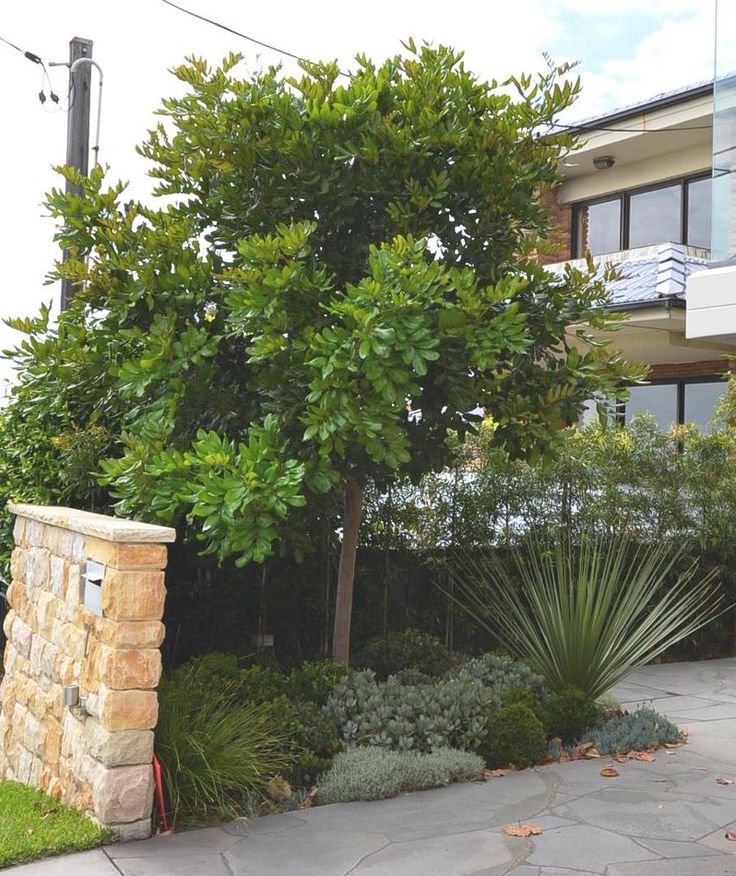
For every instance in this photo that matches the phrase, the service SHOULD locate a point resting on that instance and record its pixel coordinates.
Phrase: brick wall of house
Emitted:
(707, 368)
(560, 239)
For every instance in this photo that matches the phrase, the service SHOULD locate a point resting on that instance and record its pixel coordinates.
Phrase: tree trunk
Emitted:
(346, 571)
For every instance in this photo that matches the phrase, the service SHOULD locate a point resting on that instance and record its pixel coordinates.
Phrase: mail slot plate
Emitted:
(93, 575)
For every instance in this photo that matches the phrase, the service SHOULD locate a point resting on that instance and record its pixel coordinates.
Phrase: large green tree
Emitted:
(343, 270)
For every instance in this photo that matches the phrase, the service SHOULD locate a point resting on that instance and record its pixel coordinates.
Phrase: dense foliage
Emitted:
(409, 650)
(374, 773)
(214, 751)
(513, 735)
(422, 717)
(570, 712)
(334, 257)
(294, 703)
(640, 730)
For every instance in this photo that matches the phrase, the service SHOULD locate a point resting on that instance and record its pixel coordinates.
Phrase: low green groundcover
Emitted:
(32, 825)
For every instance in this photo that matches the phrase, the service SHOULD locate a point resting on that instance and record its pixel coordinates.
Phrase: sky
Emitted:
(628, 50)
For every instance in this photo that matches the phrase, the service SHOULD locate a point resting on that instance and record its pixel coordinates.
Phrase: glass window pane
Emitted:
(656, 217)
(591, 414)
(599, 228)
(659, 400)
(698, 212)
(701, 400)
(723, 239)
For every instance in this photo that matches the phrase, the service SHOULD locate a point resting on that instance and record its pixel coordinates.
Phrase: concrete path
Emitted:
(665, 818)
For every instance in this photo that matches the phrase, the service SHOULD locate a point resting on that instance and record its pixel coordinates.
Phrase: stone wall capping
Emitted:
(101, 526)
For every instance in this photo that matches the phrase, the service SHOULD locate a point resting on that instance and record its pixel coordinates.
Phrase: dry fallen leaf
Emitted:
(308, 801)
(673, 744)
(721, 781)
(620, 758)
(609, 772)
(731, 835)
(564, 756)
(499, 774)
(644, 755)
(592, 753)
(523, 830)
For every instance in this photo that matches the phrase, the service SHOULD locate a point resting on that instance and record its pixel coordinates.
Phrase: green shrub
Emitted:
(502, 674)
(391, 715)
(214, 751)
(314, 680)
(389, 654)
(369, 773)
(570, 713)
(262, 684)
(635, 731)
(413, 678)
(313, 739)
(525, 697)
(513, 735)
(213, 674)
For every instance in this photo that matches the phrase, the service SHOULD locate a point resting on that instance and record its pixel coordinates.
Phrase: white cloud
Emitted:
(678, 53)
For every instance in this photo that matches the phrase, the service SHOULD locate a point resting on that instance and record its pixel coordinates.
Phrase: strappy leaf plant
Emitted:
(586, 615)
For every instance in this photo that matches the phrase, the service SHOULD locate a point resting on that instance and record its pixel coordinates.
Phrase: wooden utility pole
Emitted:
(77, 132)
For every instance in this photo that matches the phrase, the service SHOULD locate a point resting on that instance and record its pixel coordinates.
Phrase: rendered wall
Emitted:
(96, 758)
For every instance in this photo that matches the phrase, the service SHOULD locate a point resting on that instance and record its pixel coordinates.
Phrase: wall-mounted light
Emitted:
(604, 162)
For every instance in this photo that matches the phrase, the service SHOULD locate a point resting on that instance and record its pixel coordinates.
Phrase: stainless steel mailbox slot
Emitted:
(93, 575)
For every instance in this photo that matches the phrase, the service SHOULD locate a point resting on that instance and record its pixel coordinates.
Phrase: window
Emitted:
(701, 401)
(677, 212)
(698, 212)
(689, 400)
(657, 399)
(655, 216)
(600, 227)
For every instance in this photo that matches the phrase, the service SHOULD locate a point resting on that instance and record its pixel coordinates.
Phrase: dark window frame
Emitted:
(681, 383)
(624, 197)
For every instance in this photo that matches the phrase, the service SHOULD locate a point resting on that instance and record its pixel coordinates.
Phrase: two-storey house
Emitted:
(638, 193)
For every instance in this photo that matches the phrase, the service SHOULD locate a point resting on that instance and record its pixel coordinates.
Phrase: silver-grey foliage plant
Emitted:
(370, 773)
(388, 714)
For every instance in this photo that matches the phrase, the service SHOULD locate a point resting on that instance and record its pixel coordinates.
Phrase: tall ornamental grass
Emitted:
(215, 752)
(586, 615)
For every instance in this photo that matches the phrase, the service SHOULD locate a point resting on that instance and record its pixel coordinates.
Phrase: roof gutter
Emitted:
(630, 112)
(669, 303)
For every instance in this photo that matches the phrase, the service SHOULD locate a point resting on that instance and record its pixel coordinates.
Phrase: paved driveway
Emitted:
(665, 818)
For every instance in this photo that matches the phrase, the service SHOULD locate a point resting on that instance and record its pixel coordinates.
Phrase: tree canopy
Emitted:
(342, 270)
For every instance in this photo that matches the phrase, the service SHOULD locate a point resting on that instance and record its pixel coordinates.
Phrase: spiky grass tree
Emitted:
(586, 615)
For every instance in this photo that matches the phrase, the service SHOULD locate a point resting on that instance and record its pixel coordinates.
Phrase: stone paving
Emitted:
(665, 818)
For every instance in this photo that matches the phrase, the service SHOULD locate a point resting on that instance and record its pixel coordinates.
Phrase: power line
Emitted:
(242, 35)
(46, 79)
(576, 128)
(30, 55)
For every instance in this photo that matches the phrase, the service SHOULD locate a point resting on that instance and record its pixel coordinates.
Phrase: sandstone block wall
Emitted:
(96, 758)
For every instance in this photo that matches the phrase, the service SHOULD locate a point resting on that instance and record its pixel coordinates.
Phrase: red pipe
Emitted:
(160, 803)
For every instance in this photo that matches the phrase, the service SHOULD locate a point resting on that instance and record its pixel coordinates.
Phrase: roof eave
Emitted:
(661, 102)
(668, 303)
